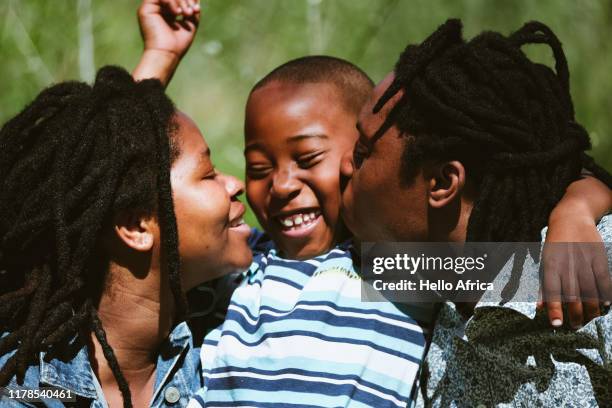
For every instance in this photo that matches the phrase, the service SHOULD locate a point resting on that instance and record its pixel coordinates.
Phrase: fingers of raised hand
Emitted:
(577, 275)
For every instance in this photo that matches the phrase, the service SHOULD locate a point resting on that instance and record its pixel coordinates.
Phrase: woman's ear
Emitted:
(137, 231)
(446, 183)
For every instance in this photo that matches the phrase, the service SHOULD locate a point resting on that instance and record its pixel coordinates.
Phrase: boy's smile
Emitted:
(296, 135)
(299, 224)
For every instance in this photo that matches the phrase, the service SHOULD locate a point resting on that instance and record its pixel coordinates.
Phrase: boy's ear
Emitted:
(137, 231)
(446, 183)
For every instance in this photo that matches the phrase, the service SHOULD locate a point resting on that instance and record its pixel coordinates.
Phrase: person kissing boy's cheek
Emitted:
(296, 135)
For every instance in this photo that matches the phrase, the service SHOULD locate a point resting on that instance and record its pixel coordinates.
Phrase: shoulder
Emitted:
(32, 375)
(5, 357)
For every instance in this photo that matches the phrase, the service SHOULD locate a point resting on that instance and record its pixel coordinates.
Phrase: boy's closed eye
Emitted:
(310, 159)
(258, 170)
(258, 164)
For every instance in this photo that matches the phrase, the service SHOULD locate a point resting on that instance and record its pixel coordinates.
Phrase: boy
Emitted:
(298, 331)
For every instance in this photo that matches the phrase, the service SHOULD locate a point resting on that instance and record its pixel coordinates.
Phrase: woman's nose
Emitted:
(233, 186)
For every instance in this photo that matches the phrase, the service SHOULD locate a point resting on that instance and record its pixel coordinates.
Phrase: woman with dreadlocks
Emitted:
(478, 143)
(110, 209)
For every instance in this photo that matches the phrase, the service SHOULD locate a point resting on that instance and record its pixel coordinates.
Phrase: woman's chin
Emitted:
(241, 258)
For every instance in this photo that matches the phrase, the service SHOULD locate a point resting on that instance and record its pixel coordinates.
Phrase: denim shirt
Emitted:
(178, 374)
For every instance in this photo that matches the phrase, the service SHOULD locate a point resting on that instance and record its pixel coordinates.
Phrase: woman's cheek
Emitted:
(216, 207)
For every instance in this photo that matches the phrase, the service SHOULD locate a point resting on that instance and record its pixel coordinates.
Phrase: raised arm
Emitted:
(168, 28)
(586, 200)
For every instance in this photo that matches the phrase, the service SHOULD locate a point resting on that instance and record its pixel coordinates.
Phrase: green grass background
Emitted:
(239, 41)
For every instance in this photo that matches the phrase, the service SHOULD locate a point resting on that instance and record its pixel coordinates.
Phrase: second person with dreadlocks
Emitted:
(473, 141)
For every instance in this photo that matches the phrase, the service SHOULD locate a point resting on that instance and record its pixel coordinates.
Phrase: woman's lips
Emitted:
(237, 211)
(236, 222)
(242, 228)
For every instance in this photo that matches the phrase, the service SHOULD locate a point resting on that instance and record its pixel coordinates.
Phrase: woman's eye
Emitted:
(210, 175)
(309, 160)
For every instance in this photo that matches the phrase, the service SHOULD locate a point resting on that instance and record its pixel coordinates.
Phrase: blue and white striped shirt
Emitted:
(298, 334)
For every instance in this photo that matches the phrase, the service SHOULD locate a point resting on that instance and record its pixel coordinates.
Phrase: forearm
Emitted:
(587, 198)
(157, 64)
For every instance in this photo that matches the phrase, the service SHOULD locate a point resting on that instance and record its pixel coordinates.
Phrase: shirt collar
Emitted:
(179, 335)
(172, 351)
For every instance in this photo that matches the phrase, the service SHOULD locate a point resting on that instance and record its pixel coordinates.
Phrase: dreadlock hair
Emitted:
(354, 85)
(509, 120)
(73, 158)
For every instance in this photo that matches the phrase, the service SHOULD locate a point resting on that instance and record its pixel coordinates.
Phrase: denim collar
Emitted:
(179, 342)
(71, 371)
(67, 372)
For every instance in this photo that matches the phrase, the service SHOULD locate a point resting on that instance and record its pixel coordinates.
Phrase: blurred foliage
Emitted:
(42, 42)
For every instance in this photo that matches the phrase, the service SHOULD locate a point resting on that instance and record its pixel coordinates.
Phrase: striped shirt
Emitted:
(298, 334)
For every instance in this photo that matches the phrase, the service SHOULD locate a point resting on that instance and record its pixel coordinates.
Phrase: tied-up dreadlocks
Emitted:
(70, 161)
(508, 119)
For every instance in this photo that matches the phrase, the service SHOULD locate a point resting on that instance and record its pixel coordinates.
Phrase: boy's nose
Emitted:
(346, 164)
(285, 184)
(233, 186)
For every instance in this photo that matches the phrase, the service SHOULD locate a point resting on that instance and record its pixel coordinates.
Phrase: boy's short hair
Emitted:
(354, 85)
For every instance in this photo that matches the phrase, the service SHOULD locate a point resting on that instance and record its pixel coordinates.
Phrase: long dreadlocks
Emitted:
(508, 119)
(73, 158)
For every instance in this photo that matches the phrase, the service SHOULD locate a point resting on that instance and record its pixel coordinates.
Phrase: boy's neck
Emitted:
(342, 235)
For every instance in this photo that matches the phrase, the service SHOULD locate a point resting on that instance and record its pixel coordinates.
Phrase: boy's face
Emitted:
(296, 135)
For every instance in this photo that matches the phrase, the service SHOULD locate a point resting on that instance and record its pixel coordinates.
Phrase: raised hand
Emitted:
(168, 28)
(575, 259)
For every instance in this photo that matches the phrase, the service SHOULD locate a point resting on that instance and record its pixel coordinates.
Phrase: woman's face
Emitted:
(212, 235)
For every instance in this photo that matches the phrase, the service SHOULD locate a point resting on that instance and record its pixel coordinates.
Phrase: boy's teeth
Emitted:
(297, 220)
